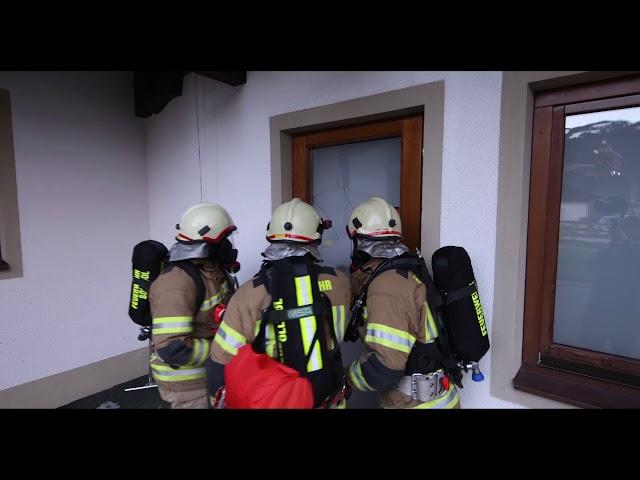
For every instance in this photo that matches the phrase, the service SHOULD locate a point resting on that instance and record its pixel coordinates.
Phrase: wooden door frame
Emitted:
(408, 128)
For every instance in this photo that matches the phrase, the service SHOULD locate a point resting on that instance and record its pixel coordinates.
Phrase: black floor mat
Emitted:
(116, 397)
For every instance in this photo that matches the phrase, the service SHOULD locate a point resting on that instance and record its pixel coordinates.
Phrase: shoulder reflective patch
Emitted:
(325, 285)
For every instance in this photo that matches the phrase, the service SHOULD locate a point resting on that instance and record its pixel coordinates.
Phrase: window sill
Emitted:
(574, 389)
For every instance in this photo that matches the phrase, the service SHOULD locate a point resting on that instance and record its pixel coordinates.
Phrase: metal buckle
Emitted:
(426, 387)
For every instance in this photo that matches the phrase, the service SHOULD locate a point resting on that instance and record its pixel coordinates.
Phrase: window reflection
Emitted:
(598, 278)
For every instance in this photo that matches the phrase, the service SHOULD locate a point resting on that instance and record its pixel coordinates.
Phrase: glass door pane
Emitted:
(342, 177)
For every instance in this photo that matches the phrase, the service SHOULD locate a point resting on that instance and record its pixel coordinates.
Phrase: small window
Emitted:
(582, 314)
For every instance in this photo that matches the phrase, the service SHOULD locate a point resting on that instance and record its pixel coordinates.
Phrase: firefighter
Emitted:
(396, 316)
(183, 300)
(294, 233)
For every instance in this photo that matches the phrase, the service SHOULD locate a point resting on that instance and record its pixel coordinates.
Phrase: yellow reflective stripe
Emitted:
(181, 374)
(430, 329)
(303, 291)
(269, 340)
(256, 329)
(211, 302)
(415, 277)
(357, 378)
(365, 313)
(449, 400)
(308, 328)
(161, 325)
(389, 337)
(157, 320)
(229, 339)
(201, 348)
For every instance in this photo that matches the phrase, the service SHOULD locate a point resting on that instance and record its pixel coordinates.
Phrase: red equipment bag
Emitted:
(255, 380)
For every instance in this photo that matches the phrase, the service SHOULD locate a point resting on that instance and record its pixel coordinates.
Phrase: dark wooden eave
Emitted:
(154, 89)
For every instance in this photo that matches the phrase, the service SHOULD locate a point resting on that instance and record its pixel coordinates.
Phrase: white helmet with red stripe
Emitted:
(296, 221)
(205, 222)
(375, 219)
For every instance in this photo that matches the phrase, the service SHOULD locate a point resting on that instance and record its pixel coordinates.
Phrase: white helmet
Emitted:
(296, 221)
(205, 222)
(375, 219)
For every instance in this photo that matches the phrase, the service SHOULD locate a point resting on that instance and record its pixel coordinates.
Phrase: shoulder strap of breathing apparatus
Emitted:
(423, 358)
(295, 324)
(194, 272)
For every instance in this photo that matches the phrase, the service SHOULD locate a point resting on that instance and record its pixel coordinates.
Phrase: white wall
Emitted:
(82, 196)
(234, 154)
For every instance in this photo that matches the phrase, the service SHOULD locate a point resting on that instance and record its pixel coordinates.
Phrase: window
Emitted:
(581, 340)
(338, 168)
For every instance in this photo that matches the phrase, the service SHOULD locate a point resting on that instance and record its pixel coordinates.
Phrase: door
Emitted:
(336, 169)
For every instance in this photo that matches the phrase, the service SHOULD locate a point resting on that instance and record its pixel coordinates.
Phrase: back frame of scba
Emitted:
(439, 300)
(148, 261)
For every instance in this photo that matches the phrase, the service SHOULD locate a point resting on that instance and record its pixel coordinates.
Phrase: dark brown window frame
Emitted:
(568, 374)
(408, 128)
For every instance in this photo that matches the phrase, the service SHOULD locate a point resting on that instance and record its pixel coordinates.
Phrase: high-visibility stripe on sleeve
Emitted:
(338, 314)
(201, 348)
(389, 337)
(430, 329)
(163, 325)
(214, 300)
(168, 374)
(357, 379)
(229, 339)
